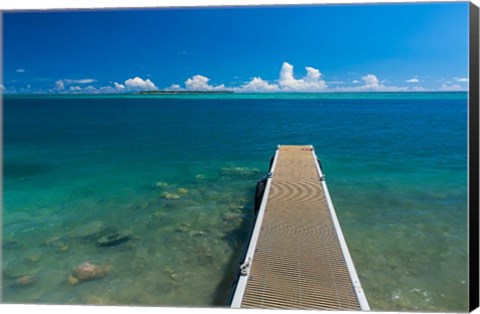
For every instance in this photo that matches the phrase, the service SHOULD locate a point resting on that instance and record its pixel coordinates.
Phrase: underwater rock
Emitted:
(168, 270)
(52, 240)
(170, 196)
(93, 299)
(171, 274)
(237, 208)
(159, 215)
(90, 230)
(24, 281)
(141, 205)
(173, 277)
(64, 247)
(205, 256)
(199, 177)
(59, 243)
(113, 239)
(87, 272)
(183, 227)
(195, 233)
(230, 217)
(182, 191)
(161, 184)
(239, 171)
(72, 280)
(32, 258)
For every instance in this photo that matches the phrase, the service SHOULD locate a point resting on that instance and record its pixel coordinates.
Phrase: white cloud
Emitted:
(75, 88)
(90, 88)
(119, 87)
(20, 71)
(451, 88)
(175, 87)
(133, 84)
(257, 85)
(461, 79)
(200, 83)
(312, 82)
(139, 84)
(412, 80)
(80, 81)
(309, 83)
(2, 87)
(287, 82)
(107, 90)
(93, 90)
(418, 89)
(59, 85)
(371, 82)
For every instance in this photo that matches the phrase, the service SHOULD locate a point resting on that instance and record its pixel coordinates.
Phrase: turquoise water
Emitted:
(178, 173)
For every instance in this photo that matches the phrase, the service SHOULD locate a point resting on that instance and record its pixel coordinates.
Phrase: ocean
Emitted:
(173, 178)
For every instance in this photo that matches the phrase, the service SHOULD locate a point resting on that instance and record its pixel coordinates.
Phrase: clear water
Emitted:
(179, 173)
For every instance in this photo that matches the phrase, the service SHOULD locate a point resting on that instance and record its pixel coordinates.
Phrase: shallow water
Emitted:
(178, 174)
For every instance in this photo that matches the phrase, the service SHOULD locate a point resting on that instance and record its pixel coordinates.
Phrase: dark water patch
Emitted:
(24, 170)
(237, 238)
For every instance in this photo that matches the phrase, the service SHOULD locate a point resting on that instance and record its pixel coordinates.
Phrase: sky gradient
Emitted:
(374, 47)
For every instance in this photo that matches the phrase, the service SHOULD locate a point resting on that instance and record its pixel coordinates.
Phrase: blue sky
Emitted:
(374, 47)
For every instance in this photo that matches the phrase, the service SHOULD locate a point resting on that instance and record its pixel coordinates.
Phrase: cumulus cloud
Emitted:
(175, 87)
(59, 85)
(75, 88)
(451, 88)
(139, 84)
(119, 87)
(412, 80)
(371, 82)
(287, 82)
(257, 85)
(200, 83)
(2, 88)
(90, 89)
(309, 83)
(312, 82)
(418, 89)
(132, 84)
(107, 90)
(20, 71)
(461, 79)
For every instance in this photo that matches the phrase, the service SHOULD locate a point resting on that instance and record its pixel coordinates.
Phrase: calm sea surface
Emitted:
(176, 176)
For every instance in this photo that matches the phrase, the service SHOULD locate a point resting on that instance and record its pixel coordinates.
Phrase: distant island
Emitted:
(168, 92)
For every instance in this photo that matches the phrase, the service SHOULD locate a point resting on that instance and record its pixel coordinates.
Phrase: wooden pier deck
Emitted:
(297, 257)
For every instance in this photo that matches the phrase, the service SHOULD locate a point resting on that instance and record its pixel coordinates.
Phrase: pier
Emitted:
(297, 257)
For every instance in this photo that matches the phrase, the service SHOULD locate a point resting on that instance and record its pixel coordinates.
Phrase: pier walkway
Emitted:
(297, 257)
